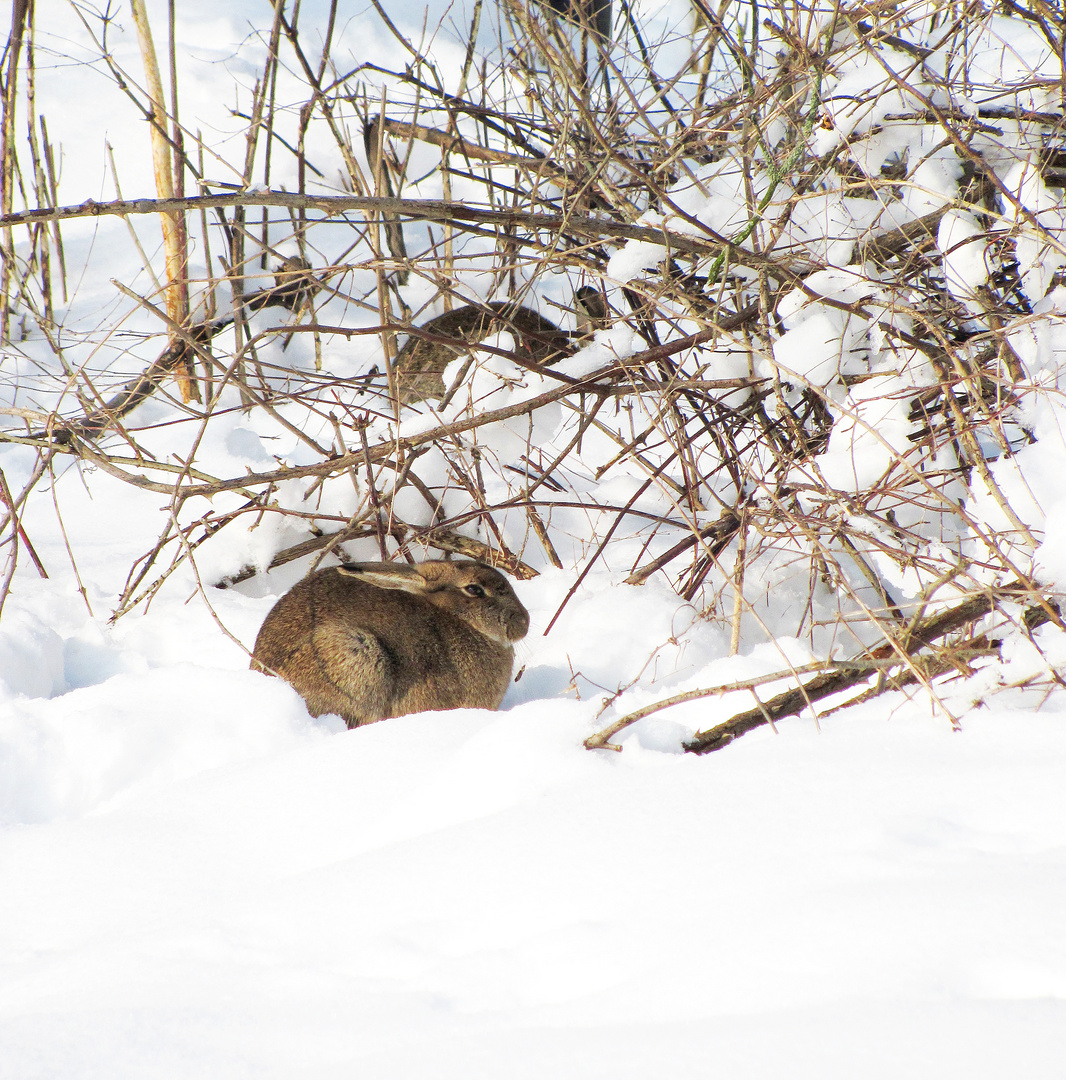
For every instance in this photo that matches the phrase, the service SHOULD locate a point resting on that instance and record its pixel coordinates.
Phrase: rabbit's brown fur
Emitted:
(371, 640)
(420, 364)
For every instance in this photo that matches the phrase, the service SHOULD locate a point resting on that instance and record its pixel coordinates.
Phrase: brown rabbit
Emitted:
(421, 362)
(371, 640)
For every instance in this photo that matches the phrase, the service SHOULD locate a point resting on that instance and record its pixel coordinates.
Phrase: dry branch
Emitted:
(416, 209)
(174, 244)
(856, 671)
(835, 677)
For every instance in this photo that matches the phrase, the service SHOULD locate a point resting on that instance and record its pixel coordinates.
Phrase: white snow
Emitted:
(206, 880)
(960, 240)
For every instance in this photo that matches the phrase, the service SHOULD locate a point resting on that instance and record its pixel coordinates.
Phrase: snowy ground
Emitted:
(198, 879)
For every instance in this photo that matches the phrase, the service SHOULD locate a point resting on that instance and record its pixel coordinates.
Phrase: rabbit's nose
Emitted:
(518, 625)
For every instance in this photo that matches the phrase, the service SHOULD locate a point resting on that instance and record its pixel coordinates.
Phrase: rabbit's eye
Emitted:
(474, 590)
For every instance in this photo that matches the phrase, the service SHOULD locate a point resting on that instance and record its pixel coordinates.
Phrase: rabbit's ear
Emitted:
(591, 310)
(387, 575)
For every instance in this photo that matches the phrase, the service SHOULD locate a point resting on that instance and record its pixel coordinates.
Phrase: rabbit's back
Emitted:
(421, 362)
(367, 653)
